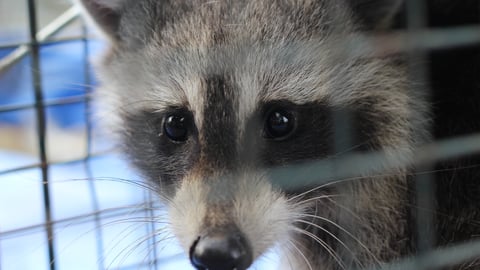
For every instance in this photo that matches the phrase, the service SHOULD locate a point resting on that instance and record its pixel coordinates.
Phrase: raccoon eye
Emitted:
(279, 124)
(176, 126)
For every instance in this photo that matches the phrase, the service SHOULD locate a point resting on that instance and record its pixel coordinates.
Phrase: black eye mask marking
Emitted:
(292, 133)
(165, 145)
(159, 150)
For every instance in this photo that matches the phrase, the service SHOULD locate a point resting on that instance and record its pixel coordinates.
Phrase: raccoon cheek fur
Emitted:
(246, 206)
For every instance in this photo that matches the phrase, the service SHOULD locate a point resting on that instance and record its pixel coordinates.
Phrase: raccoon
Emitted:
(210, 96)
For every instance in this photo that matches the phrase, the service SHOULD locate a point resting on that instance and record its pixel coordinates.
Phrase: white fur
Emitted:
(260, 211)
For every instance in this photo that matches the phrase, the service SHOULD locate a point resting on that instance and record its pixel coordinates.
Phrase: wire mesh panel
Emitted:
(69, 201)
(54, 215)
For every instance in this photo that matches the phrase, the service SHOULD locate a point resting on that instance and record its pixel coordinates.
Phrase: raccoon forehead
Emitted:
(300, 72)
(181, 23)
(260, 72)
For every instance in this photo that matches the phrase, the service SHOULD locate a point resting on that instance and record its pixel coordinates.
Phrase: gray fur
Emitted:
(273, 50)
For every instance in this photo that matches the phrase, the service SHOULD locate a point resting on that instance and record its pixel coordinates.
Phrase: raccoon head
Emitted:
(210, 95)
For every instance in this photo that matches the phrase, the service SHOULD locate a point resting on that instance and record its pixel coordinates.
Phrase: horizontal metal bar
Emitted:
(427, 39)
(439, 258)
(148, 263)
(50, 41)
(48, 103)
(51, 29)
(323, 171)
(374, 163)
(79, 219)
(357, 45)
(52, 163)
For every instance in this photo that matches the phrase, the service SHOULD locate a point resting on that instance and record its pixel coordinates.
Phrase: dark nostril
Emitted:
(221, 251)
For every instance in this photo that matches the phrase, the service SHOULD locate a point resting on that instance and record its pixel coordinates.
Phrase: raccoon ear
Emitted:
(376, 14)
(105, 13)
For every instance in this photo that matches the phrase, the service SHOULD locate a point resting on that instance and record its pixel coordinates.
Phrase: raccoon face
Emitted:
(211, 95)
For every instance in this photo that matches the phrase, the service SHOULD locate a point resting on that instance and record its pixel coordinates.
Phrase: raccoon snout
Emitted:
(221, 251)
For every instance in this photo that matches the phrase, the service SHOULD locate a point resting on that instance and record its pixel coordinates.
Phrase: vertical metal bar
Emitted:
(86, 161)
(423, 183)
(41, 127)
(0, 252)
(151, 231)
(343, 142)
(88, 90)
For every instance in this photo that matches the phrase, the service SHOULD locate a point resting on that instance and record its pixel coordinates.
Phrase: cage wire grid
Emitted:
(417, 40)
(101, 217)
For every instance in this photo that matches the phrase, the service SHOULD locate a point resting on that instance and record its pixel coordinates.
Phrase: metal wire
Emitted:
(86, 161)
(41, 127)
(424, 183)
(438, 258)
(41, 36)
(416, 41)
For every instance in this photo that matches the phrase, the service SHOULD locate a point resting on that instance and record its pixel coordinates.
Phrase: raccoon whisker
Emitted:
(442, 214)
(71, 242)
(471, 265)
(118, 254)
(340, 181)
(322, 243)
(123, 255)
(445, 170)
(121, 236)
(329, 249)
(145, 206)
(162, 235)
(347, 209)
(153, 246)
(163, 240)
(126, 220)
(325, 196)
(366, 177)
(296, 197)
(329, 183)
(137, 183)
(287, 251)
(137, 220)
(415, 173)
(334, 237)
(134, 226)
(127, 251)
(294, 246)
(473, 222)
(140, 184)
(335, 155)
(347, 233)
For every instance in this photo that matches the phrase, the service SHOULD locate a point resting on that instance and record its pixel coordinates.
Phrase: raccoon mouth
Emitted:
(222, 250)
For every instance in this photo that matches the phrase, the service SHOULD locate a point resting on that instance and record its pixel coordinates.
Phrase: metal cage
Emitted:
(45, 182)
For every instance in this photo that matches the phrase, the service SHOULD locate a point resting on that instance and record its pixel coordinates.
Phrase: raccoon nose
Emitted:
(221, 251)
